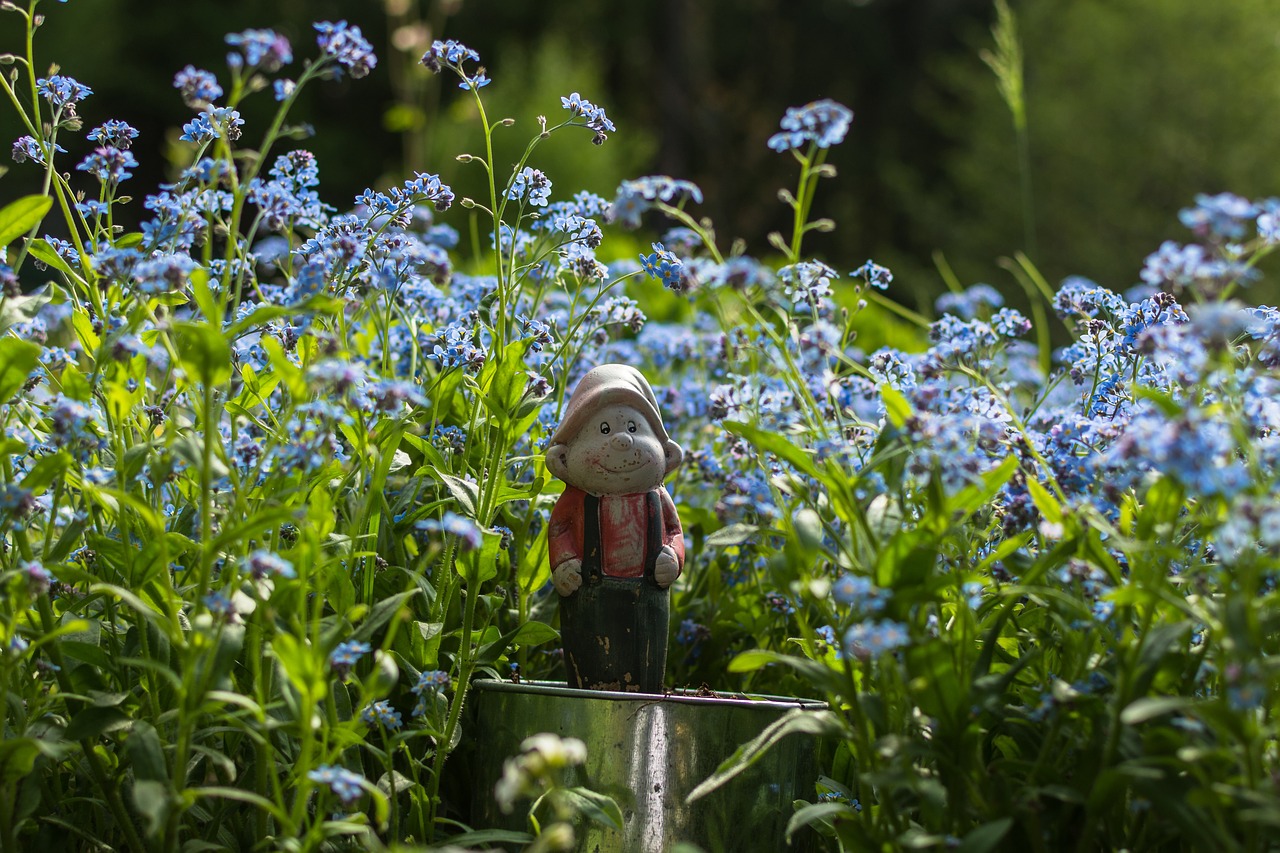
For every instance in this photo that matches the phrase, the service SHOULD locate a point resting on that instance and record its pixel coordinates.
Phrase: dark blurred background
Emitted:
(1133, 107)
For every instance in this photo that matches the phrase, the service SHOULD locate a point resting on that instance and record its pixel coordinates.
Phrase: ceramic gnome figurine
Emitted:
(614, 541)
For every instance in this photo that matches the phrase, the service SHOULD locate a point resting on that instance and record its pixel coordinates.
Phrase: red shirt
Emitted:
(623, 522)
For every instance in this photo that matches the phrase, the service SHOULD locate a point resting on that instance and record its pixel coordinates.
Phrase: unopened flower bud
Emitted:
(464, 158)
(467, 203)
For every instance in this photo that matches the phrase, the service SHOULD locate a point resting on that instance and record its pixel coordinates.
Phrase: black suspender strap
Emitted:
(653, 534)
(591, 538)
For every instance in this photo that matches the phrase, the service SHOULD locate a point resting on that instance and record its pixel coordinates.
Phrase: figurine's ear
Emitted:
(675, 455)
(558, 461)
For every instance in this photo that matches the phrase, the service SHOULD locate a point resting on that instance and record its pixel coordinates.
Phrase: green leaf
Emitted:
(302, 665)
(19, 217)
(488, 836)
(153, 801)
(779, 446)
(896, 406)
(94, 722)
(987, 837)
(146, 754)
(601, 808)
(528, 634)
(815, 813)
(381, 614)
(247, 797)
(203, 295)
(1165, 402)
(17, 758)
(17, 359)
(204, 352)
(732, 534)
(970, 498)
(534, 634)
(534, 569)
(46, 254)
(465, 492)
(821, 676)
(1150, 707)
(1044, 501)
(44, 472)
(797, 721)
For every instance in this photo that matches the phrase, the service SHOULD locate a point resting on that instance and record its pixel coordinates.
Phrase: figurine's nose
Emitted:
(621, 441)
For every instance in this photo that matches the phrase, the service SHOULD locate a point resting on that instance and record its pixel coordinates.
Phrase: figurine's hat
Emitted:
(609, 385)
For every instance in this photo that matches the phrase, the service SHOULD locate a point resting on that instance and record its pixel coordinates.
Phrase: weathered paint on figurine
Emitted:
(615, 540)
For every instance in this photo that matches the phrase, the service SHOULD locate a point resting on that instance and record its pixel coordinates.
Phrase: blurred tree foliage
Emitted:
(1133, 106)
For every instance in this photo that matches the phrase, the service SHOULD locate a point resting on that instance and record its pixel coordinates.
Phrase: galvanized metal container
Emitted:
(648, 752)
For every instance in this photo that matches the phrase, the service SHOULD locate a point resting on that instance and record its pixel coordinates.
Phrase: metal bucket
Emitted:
(648, 752)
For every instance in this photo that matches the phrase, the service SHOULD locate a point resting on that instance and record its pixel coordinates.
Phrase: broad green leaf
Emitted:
(534, 634)
(465, 492)
(46, 254)
(488, 836)
(896, 406)
(382, 613)
(985, 838)
(601, 808)
(284, 369)
(822, 677)
(94, 722)
(480, 564)
(17, 359)
(75, 384)
(815, 813)
(203, 295)
(243, 796)
(797, 721)
(302, 665)
(17, 758)
(732, 534)
(534, 569)
(1150, 707)
(1165, 402)
(204, 351)
(154, 801)
(146, 753)
(1044, 501)
(19, 217)
(46, 471)
(779, 446)
(971, 498)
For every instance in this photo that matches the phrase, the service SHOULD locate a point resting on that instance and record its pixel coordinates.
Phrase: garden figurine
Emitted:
(615, 541)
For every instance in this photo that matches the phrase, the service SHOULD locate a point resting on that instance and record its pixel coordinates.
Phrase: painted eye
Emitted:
(631, 426)
(604, 429)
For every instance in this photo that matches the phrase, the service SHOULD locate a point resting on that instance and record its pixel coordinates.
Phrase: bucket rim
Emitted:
(680, 696)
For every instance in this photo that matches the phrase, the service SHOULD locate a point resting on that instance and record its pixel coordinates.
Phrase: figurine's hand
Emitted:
(666, 569)
(567, 577)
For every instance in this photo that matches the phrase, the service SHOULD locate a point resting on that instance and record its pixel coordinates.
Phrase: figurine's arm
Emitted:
(673, 533)
(564, 542)
(670, 560)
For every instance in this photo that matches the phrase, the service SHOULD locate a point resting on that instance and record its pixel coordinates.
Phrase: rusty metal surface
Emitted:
(648, 752)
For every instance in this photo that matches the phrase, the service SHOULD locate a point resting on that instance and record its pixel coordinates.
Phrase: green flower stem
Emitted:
(238, 185)
(810, 172)
(503, 284)
(109, 790)
(466, 666)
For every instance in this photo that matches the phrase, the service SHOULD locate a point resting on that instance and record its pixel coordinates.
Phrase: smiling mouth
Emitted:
(624, 469)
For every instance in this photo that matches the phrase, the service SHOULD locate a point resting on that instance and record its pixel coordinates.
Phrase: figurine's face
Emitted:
(614, 453)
